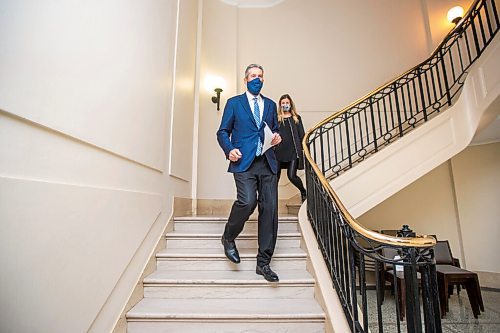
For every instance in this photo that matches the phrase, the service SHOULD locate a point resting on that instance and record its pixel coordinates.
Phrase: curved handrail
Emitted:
(363, 128)
(419, 241)
(436, 59)
(453, 33)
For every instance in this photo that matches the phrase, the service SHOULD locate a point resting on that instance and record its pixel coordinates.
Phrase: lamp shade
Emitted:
(214, 81)
(455, 14)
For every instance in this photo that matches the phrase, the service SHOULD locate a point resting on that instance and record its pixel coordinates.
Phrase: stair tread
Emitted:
(217, 227)
(257, 309)
(226, 277)
(290, 217)
(280, 252)
(208, 234)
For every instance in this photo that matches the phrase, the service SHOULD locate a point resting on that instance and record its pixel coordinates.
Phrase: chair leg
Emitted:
(478, 291)
(473, 297)
(381, 277)
(447, 297)
(382, 291)
(402, 299)
(443, 296)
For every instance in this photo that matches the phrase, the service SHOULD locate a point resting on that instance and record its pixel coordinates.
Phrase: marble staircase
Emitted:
(196, 289)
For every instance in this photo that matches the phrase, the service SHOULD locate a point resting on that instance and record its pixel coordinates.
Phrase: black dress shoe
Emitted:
(267, 273)
(230, 250)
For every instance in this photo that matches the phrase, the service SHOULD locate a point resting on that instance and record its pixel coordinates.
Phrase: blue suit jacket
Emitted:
(239, 130)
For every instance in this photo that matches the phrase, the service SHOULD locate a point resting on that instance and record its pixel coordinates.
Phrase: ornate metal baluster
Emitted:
(436, 80)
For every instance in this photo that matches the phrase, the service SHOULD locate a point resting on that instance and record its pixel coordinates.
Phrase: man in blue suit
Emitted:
(241, 136)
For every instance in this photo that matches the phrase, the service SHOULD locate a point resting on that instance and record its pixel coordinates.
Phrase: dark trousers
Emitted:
(256, 186)
(292, 174)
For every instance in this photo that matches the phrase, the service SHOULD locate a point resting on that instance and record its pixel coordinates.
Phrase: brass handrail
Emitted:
(458, 27)
(346, 138)
(421, 241)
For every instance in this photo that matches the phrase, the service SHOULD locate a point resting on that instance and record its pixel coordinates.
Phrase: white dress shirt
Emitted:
(260, 101)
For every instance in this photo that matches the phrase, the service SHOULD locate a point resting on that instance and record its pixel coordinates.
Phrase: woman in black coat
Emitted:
(289, 152)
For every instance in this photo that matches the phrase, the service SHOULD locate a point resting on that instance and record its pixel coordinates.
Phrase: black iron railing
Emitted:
(391, 111)
(350, 136)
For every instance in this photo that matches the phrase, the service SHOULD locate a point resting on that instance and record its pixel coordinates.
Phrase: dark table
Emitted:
(448, 275)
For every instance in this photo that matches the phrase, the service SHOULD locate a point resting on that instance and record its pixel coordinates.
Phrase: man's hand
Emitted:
(235, 155)
(276, 139)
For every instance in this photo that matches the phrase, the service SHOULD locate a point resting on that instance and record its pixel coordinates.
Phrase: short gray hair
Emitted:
(249, 67)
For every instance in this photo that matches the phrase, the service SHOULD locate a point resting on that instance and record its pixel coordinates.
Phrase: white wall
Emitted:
(426, 205)
(86, 99)
(320, 52)
(218, 57)
(476, 175)
(76, 57)
(457, 201)
(181, 143)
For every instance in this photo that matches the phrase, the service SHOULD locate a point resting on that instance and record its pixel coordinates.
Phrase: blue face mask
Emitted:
(255, 86)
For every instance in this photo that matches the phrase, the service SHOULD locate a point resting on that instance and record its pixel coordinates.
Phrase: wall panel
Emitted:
(91, 68)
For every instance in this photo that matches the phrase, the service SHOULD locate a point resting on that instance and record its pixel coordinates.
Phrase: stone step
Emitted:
(228, 284)
(155, 315)
(293, 208)
(214, 259)
(281, 218)
(217, 225)
(196, 239)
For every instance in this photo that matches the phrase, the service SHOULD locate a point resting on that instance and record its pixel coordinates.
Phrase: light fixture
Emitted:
(216, 99)
(455, 14)
(215, 83)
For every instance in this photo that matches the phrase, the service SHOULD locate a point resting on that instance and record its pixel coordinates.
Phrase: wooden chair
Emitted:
(387, 274)
(395, 278)
(443, 256)
(448, 274)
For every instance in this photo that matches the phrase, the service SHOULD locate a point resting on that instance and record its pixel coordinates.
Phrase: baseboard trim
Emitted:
(143, 261)
(489, 280)
(326, 294)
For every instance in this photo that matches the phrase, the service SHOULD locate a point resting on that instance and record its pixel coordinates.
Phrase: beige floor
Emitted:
(458, 319)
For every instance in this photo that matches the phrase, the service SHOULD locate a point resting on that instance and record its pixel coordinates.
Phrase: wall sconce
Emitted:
(215, 83)
(455, 14)
(216, 99)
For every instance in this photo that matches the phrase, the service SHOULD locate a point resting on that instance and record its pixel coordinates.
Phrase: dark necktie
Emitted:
(256, 116)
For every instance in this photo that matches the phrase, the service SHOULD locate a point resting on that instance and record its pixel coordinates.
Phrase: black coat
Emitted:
(290, 147)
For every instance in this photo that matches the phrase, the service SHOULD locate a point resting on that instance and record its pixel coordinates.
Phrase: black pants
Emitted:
(256, 186)
(292, 174)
